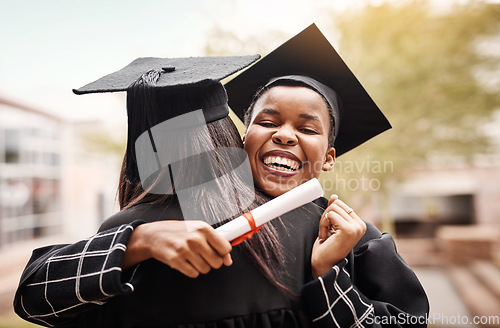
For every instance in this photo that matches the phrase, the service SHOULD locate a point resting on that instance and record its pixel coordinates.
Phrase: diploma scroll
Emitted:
(292, 199)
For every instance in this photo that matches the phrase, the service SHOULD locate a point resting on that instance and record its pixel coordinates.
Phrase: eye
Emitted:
(267, 124)
(308, 131)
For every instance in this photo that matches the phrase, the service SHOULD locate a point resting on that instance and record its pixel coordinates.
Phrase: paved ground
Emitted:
(447, 309)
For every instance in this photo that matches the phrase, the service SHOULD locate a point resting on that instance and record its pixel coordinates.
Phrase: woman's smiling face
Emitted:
(287, 138)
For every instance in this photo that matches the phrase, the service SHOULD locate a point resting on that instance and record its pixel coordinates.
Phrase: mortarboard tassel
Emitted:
(141, 109)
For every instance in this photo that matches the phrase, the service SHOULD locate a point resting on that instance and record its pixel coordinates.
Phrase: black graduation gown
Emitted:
(235, 296)
(81, 285)
(372, 287)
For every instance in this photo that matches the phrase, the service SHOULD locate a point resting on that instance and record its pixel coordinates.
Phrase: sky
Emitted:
(50, 47)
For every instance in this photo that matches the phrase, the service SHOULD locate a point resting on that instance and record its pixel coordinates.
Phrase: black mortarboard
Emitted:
(159, 89)
(309, 54)
(178, 72)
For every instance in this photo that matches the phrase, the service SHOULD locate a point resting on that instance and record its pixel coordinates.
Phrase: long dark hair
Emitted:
(264, 248)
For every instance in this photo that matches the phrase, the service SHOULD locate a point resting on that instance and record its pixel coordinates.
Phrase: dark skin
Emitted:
(340, 229)
(295, 122)
(190, 247)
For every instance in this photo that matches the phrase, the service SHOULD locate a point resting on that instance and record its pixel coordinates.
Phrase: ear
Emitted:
(329, 159)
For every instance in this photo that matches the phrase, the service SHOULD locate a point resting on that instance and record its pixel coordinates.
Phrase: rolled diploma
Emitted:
(292, 199)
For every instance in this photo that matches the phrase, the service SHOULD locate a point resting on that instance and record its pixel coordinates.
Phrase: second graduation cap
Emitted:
(175, 72)
(160, 89)
(310, 54)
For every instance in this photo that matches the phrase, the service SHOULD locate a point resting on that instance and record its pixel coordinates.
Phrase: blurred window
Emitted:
(12, 145)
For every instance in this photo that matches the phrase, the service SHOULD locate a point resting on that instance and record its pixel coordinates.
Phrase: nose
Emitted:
(285, 136)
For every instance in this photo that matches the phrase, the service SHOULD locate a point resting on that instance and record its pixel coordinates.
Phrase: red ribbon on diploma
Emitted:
(253, 229)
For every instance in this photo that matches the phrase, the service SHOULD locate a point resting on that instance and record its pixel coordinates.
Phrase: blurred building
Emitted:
(49, 184)
(448, 195)
(448, 217)
(30, 173)
(52, 189)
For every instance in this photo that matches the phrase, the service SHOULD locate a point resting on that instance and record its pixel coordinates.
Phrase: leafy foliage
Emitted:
(421, 67)
(429, 70)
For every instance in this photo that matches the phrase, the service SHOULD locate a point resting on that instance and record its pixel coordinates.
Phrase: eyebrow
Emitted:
(309, 117)
(270, 111)
(306, 116)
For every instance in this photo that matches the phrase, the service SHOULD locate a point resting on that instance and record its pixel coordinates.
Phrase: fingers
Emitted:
(351, 214)
(339, 216)
(193, 257)
(333, 216)
(202, 256)
(340, 229)
(217, 242)
(210, 249)
(194, 250)
(330, 222)
(349, 211)
(333, 222)
(337, 205)
(332, 199)
(227, 260)
(324, 223)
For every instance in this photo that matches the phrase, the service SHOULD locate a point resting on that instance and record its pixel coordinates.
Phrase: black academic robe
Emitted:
(82, 285)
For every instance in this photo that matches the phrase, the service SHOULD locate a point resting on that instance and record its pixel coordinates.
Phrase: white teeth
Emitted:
(281, 163)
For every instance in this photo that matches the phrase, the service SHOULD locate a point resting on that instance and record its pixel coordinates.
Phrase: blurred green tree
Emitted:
(429, 71)
(433, 72)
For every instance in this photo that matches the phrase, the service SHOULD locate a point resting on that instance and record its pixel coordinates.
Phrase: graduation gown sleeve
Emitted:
(62, 281)
(372, 287)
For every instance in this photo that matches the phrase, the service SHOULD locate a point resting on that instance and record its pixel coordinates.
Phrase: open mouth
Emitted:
(281, 163)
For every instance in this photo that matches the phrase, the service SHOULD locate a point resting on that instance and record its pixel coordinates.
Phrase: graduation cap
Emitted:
(160, 89)
(310, 55)
(176, 72)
